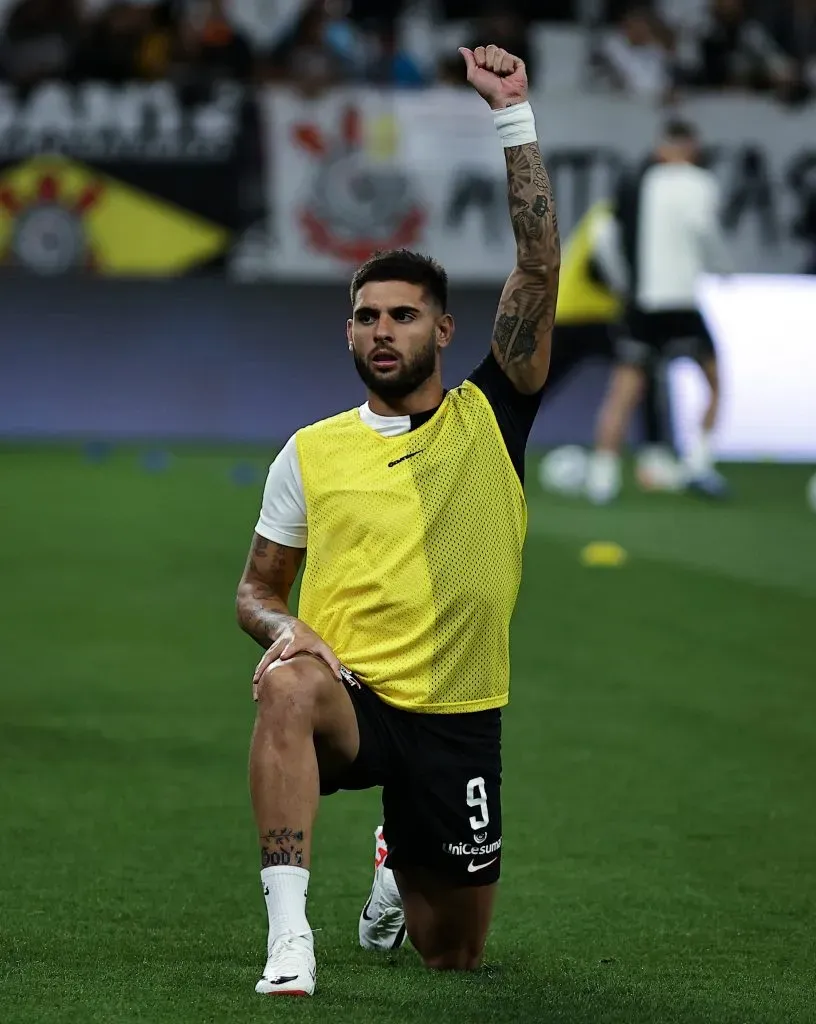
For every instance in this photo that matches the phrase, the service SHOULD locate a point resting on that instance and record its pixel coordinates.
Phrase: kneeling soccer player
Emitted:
(412, 511)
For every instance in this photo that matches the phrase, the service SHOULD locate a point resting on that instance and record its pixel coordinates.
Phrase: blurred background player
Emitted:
(668, 234)
(656, 463)
(591, 293)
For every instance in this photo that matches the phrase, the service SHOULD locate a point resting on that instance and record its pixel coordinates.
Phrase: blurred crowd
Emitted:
(657, 49)
(121, 41)
(752, 45)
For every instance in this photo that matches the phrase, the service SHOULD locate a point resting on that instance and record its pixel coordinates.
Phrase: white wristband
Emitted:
(515, 125)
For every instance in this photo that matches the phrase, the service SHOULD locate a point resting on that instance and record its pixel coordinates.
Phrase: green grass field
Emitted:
(660, 766)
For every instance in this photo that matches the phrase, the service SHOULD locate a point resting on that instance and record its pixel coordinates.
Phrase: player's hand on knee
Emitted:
(303, 640)
(498, 76)
(296, 638)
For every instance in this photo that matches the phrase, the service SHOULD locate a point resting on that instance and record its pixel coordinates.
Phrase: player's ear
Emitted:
(445, 328)
(348, 334)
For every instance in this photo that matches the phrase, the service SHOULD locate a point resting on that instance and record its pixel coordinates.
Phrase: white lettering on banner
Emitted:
(426, 170)
(137, 121)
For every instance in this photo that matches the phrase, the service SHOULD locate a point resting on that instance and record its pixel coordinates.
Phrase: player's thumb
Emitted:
(470, 60)
(291, 649)
(331, 659)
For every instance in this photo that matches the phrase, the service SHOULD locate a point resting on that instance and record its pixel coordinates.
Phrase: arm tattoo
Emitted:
(282, 847)
(527, 309)
(260, 547)
(513, 332)
(263, 592)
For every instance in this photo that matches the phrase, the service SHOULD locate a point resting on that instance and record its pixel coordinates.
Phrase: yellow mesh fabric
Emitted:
(413, 568)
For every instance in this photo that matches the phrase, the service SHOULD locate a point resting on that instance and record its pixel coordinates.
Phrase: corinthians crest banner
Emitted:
(358, 170)
(337, 189)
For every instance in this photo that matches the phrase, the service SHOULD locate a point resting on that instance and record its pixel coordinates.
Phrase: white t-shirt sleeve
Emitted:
(283, 511)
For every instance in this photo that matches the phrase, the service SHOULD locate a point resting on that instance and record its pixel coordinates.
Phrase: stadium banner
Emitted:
(131, 180)
(356, 170)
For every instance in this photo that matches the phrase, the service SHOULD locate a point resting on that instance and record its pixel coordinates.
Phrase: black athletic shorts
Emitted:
(645, 338)
(441, 783)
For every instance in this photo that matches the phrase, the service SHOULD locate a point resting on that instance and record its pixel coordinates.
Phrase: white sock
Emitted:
(285, 890)
(603, 480)
(700, 460)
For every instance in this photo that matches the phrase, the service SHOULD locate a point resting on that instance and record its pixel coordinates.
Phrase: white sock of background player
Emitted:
(699, 460)
(604, 478)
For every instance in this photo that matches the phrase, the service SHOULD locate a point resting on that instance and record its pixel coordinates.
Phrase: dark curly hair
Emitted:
(404, 265)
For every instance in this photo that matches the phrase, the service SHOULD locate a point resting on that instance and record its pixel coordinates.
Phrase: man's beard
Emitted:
(411, 375)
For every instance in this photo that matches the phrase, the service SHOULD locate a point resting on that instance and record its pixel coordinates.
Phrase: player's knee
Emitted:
(291, 690)
(464, 958)
(462, 954)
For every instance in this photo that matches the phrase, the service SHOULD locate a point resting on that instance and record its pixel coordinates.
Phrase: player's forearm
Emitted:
(533, 216)
(261, 613)
(522, 334)
(263, 593)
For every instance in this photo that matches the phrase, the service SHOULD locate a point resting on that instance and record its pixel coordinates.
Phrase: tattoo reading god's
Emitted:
(282, 847)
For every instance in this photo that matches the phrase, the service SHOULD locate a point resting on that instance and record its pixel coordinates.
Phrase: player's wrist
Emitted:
(279, 624)
(505, 102)
(515, 124)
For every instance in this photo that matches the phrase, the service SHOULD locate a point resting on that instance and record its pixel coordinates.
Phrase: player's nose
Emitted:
(384, 328)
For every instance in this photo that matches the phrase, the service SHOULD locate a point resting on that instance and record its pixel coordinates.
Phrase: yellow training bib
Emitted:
(414, 553)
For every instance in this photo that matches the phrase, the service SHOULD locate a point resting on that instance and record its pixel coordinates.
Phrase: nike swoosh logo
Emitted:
(410, 455)
(283, 980)
(480, 867)
(365, 911)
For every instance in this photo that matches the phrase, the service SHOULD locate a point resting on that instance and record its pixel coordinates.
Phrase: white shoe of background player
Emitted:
(603, 477)
(290, 969)
(382, 922)
(657, 469)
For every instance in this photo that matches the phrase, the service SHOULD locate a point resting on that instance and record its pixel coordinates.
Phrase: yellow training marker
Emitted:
(603, 553)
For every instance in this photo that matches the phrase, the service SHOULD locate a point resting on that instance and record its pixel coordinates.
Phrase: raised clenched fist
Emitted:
(498, 76)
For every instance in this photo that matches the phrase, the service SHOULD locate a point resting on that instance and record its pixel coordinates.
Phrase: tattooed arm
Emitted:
(263, 593)
(523, 329)
(263, 610)
(524, 322)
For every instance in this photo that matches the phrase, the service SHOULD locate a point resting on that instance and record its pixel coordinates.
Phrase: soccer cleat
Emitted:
(290, 969)
(382, 922)
(710, 485)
